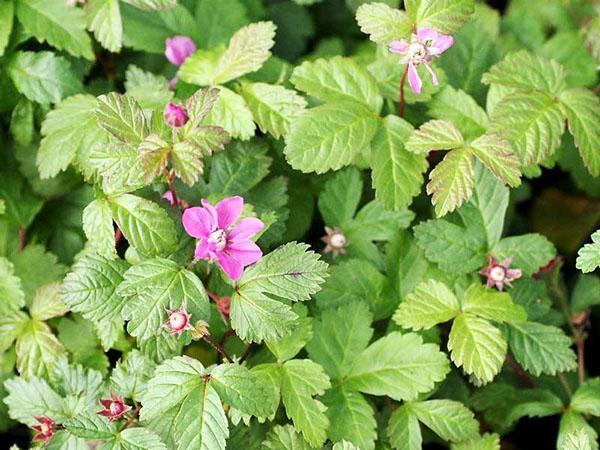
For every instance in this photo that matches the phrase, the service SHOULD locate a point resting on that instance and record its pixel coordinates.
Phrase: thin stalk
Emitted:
(565, 384)
(581, 357)
(218, 347)
(247, 352)
(402, 83)
(22, 238)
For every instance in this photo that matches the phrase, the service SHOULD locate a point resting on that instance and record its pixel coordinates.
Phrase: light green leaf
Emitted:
(7, 12)
(152, 5)
(28, 399)
(588, 256)
(404, 430)
(529, 251)
(330, 136)
(12, 323)
(119, 166)
(90, 426)
(54, 22)
(37, 350)
(104, 20)
(273, 107)
(399, 366)
(571, 422)
(461, 109)
(12, 296)
(98, 228)
(340, 196)
(287, 347)
(491, 304)
(485, 442)
(42, 76)
(122, 117)
(21, 122)
(130, 376)
(397, 174)
(541, 348)
(151, 91)
(91, 287)
(477, 346)
(451, 181)
(47, 304)
(199, 68)
(36, 267)
(231, 113)
(449, 419)
(586, 399)
(497, 155)
(429, 304)
(577, 440)
(435, 135)
(144, 224)
(186, 159)
(301, 379)
(583, 116)
(153, 153)
(383, 23)
(285, 438)
(137, 439)
(337, 79)
(446, 16)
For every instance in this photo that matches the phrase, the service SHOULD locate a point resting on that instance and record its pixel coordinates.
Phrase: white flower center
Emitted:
(114, 408)
(44, 427)
(417, 52)
(337, 240)
(177, 321)
(497, 273)
(218, 238)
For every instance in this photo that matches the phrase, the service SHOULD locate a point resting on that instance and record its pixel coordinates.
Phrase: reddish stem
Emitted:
(402, 83)
(22, 238)
(247, 352)
(581, 357)
(218, 347)
(518, 370)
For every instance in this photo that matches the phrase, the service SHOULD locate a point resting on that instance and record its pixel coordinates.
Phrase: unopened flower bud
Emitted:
(45, 430)
(179, 321)
(178, 48)
(114, 407)
(175, 115)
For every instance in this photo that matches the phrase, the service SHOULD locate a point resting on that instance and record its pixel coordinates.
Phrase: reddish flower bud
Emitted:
(179, 321)
(45, 430)
(498, 273)
(178, 48)
(114, 407)
(335, 240)
(175, 115)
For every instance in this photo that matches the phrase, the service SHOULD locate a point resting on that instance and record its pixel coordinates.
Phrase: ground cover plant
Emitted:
(299, 224)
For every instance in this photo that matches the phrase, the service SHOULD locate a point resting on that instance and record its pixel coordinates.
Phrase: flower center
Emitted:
(337, 240)
(45, 428)
(218, 238)
(115, 408)
(417, 52)
(497, 273)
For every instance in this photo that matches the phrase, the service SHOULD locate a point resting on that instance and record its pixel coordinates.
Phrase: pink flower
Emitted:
(178, 48)
(229, 245)
(175, 115)
(45, 430)
(499, 274)
(179, 321)
(168, 196)
(114, 407)
(423, 46)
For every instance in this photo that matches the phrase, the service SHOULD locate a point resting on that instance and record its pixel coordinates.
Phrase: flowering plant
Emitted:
(298, 224)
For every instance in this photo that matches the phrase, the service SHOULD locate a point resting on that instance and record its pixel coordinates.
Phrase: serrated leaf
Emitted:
(435, 135)
(36, 267)
(446, 16)
(12, 296)
(90, 426)
(429, 304)
(529, 251)
(572, 422)
(183, 408)
(53, 21)
(404, 430)
(339, 198)
(588, 256)
(98, 228)
(37, 350)
(104, 20)
(586, 399)
(451, 181)
(137, 438)
(491, 304)
(153, 153)
(28, 399)
(449, 419)
(287, 347)
(42, 77)
(383, 23)
(461, 109)
(7, 12)
(11, 326)
(91, 287)
(330, 136)
(485, 442)
(122, 117)
(497, 155)
(583, 116)
(477, 346)
(577, 440)
(152, 5)
(217, 22)
(301, 379)
(399, 366)
(130, 376)
(273, 107)
(186, 159)
(47, 304)
(337, 79)
(231, 113)
(285, 438)
(397, 174)
(119, 166)
(151, 91)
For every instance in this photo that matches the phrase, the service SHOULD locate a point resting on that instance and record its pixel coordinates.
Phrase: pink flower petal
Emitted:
(427, 34)
(178, 48)
(413, 79)
(246, 252)
(228, 211)
(212, 211)
(245, 229)
(398, 46)
(441, 44)
(231, 266)
(204, 250)
(198, 222)
(434, 77)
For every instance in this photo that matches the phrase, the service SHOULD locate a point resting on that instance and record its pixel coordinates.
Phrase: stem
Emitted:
(215, 298)
(171, 178)
(581, 357)
(247, 352)
(218, 347)
(402, 83)
(565, 384)
(227, 335)
(22, 238)
(518, 370)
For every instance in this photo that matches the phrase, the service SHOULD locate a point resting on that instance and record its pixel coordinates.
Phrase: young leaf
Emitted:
(449, 419)
(586, 399)
(151, 91)
(37, 350)
(572, 422)
(435, 135)
(47, 304)
(231, 113)
(578, 440)
(404, 430)
(497, 155)
(104, 20)
(122, 117)
(588, 256)
(491, 304)
(340, 197)
(98, 228)
(446, 16)
(90, 426)
(529, 251)
(153, 153)
(287, 347)
(383, 23)
(118, 164)
(11, 327)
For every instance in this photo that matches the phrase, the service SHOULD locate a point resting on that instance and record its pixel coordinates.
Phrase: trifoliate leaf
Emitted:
(491, 304)
(91, 287)
(248, 50)
(337, 79)
(98, 228)
(588, 256)
(541, 348)
(435, 135)
(399, 366)
(231, 113)
(404, 430)
(301, 379)
(12, 296)
(285, 438)
(572, 422)
(497, 155)
(42, 77)
(273, 107)
(429, 304)
(53, 21)
(104, 20)
(183, 408)
(383, 23)
(583, 116)
(154, 286)
(586, 399)
(47, 304)
(151, 91)
(122, 117)
(485, 442)
(28, 399)
(351, 417)
(340, 197)
(446, 16)
(529, 251)
(449, 419)
(578, 440)
(144, 224)
(130, 376)
(330, 136)
(397, 173)
(477, 346)
(37, 350)
(461, 109)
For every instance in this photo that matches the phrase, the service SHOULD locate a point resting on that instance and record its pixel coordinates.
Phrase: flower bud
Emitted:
(175, 115)
(45, 430)
(179, 321)
(178, 48)
(114, 407)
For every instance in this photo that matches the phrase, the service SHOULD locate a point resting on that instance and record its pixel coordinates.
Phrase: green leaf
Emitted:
(583, 114)
(339, 335)
(36, 267)
(154, 286)
(68, 129)
(451, 181)
(339, 199)
(497, 155)
(151, 91)
(152, 5)
(287, 347)
(571, 422)
(403, 429)
(119, 166)
(153, 153)
(588, 256)
(435, 135)
(532, 122)
(446, 16)
(541, 348)
(104, 20)
(47, 304)
(578, 440)
(449, 419)
(28, 399)
(21, 122)
(273, 107)
(7, 12)
(397, 174)
(383, 23)
(351, 418)
(529, 251)
(248, 50)
(91, 287)
(98, 228)
(429, 304)
(586, 399)
(21, 204)
(217, 22)
(130, 376)
(122, 117)
(285, 438)
(54, 22)
(199, 68)
(477, 346)
(12, 323)
(144, 224)
(485, 442)
(231, 113)
(42, 77)
(183, 408)
(337, 79)
(90, 426)
(523, 70)
(37, 350)
(12, 296)
(301, 379)
(399, 366)
(491, 304)
(137, 439)
(330, 136)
